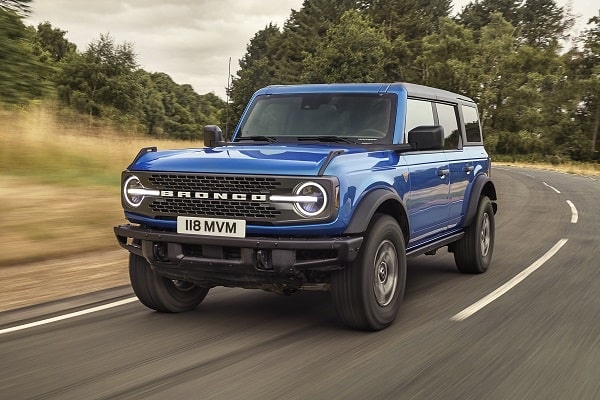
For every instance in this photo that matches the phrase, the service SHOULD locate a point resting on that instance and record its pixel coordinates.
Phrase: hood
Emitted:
(242, 159)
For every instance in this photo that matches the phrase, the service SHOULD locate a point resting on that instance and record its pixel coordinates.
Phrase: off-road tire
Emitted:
(160, 293)
(473, 252)
(368, 292)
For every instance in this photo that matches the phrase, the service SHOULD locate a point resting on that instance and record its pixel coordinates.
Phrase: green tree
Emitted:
(102, 80)
(177, 111)
(258, 68)
(212, 110)
(412, 19)
(538, 22)
(52, 41)
(490, 76)
(543, 23)
(519, 88)
(21, 75)
(352, 51)
(153, 110)
(406, 23)
(588, 77)
(303, 32)
(445, 60)
(478, 14)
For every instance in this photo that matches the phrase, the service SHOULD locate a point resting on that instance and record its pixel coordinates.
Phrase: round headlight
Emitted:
(316, 199)
(133, 191)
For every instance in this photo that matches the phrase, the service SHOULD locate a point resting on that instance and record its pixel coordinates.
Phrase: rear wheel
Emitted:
(473, 253)
(367, 293)
(160, 293)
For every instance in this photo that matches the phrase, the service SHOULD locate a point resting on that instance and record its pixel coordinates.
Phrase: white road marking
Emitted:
(67, 316)
(574, 213)
(552, 187)
(469, 311)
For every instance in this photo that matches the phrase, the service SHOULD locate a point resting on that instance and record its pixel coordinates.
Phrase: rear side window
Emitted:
(473, 130)
(448, 118)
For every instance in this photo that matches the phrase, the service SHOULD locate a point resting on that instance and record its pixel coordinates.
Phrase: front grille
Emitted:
(220, 208)
(246, 197)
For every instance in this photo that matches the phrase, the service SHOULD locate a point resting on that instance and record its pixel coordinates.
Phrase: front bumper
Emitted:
(252, 262)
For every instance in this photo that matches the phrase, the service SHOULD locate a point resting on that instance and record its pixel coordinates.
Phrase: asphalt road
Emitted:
(536, 337)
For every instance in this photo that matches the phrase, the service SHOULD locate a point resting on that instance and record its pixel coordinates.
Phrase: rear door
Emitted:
(461, 168)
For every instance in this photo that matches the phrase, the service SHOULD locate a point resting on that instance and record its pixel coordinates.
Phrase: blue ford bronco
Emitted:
(322, 187)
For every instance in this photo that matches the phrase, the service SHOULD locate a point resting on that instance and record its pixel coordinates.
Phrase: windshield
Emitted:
(350, 117)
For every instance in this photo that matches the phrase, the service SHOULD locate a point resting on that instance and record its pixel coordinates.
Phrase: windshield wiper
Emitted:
(269, 139)
(332, 139)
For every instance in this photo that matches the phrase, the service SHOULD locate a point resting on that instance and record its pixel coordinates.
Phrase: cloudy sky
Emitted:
(190, 40)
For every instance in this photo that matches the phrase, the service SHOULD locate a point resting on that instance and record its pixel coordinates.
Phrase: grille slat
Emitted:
(237, 184)
(221, 208)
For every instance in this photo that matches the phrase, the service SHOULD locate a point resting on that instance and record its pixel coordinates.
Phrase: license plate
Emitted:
(212, 226)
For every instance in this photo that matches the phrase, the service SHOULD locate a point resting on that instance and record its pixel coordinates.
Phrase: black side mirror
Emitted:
(213, 136)
(429, 137)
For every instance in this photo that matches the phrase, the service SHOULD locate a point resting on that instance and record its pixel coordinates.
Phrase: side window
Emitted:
(448, 118)
(418, 113)
(472, 127)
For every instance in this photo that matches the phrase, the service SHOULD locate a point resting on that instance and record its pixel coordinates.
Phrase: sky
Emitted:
(190, 40)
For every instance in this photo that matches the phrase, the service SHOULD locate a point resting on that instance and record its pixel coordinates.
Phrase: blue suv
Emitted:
(322, 187)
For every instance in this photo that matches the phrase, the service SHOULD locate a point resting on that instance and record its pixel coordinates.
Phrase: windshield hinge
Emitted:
(332, 154)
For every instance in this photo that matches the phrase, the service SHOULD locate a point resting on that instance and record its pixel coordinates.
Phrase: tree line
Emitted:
(537, 87)
(104, 81)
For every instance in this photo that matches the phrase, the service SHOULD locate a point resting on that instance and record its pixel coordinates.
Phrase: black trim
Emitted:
(476, 191)
(367, 207)
(332, 154)
(397, 148)
(283, 253)
(142, 152)
(434, 245)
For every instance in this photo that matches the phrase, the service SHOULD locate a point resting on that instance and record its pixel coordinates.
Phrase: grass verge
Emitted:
(60, 184)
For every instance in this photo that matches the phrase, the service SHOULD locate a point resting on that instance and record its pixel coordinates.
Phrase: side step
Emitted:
(433, 246)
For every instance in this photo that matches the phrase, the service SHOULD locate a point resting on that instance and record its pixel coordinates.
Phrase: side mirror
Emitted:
(427, 137)
(213, 136)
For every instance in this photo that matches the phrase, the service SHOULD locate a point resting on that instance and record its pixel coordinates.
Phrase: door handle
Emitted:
(442, 172)
(468, 169)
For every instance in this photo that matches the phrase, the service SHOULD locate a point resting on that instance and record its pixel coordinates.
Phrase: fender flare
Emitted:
(483, 185)
(369, 204)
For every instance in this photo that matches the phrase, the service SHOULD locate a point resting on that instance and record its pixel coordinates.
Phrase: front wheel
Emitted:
(367, 293)
(160, 293)
(473, 252)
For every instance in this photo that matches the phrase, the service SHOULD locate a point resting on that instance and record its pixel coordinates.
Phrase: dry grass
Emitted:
(35, 144)
(44, 221)
(59, 185)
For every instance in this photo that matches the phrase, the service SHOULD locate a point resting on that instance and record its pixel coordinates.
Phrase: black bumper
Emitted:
(253, 262)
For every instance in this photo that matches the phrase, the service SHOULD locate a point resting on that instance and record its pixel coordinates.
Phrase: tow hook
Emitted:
(262, 260)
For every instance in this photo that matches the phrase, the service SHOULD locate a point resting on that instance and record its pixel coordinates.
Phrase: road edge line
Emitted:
(574, 213)
(469, 311)
(68, 316)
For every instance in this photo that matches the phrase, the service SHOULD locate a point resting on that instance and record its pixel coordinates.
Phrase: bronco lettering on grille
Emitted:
(214, 196)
